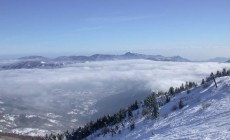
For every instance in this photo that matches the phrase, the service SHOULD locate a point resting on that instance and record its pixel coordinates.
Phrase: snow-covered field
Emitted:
(205, 116)
(61, 99)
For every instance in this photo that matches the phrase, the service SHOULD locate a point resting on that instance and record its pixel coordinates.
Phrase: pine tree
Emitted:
(228, 72)
(155, 112)
(182, 87)
(130, 113)
(224, 72)
(167, 98)
(203, 82)
(190, 84)
(211, 75)
(136, 105)
(155, 106)
(171, 91)
(218, 74)
(186, 86)
(177, 90)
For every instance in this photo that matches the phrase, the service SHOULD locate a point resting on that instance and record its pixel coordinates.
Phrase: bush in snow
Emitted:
(174, 107)
(145, 111)
(206, 105)
(132, 126)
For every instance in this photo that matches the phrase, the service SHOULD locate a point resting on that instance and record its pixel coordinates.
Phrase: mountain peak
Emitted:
(129, 53)
(33, 57)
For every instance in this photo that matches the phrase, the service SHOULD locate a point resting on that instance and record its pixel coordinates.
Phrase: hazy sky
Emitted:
(195, 29)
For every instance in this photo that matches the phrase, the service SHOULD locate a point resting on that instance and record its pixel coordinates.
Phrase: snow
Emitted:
(2, 121)
(9, 117)
(30, 116)
(52, 115)
(72, 113)
(74, 120)
(205, 116)
(53, 121)
(30, 131)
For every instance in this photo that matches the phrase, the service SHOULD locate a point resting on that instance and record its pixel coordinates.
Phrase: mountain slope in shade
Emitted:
(218, 59)
(206, 115)
(32, 64)
(34, 58)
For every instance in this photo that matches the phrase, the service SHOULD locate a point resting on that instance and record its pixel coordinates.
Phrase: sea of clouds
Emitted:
(94, 88)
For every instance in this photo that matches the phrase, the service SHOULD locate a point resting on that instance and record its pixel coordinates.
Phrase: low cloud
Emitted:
(64, 90)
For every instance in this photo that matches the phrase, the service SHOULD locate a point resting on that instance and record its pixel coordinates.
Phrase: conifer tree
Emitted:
(211, 75)
(203, 82)
(155, 112)
(167, 98)
(171, 91)
(218, 74)
(155, 106)
(228, 72)
(224, 72)
(182, 87)
(130, 113)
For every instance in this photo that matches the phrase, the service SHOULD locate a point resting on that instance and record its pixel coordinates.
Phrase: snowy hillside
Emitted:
(206, 115)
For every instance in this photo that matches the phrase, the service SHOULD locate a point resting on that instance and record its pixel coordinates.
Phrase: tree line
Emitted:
(218, 73)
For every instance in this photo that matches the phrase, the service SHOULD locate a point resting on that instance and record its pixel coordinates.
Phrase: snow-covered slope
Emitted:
(205, 116)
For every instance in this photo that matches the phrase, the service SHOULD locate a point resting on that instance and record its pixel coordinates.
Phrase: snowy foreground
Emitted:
(205, 116)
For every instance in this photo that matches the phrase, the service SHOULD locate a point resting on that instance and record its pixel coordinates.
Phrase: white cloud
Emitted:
(66, 89)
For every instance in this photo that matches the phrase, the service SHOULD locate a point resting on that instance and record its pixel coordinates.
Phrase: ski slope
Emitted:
(205, 116)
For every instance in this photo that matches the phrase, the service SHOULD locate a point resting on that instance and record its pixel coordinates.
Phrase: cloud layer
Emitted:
(84, 89)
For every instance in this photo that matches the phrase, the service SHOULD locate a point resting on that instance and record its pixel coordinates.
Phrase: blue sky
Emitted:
(196, 29)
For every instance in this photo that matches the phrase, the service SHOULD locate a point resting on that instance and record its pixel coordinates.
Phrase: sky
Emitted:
(194, 29)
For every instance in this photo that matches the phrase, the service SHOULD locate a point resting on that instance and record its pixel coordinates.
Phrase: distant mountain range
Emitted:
(103, 57)
(219, 59)
(31, 62)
